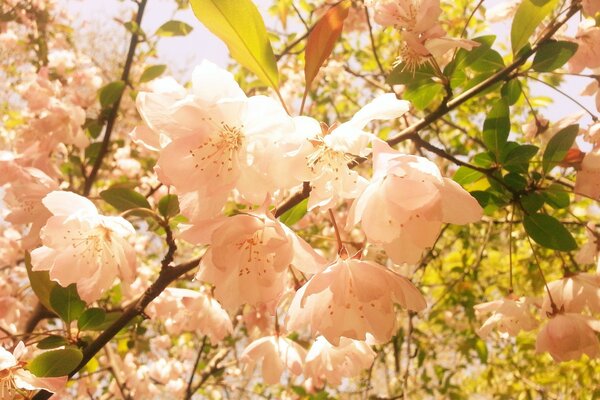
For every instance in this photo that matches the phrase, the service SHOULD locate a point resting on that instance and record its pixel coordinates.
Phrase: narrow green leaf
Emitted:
(152, 72)
(511, 91)
(67, 303)
(52, 342)
(55, 363)
(532, 202)
(422, 95)
(547, 231)
(91, 318)
(465, 175)
(239, 24)
(110, 93)
(496, 127)
(174, 28)
(40, 283)
(556, 196)
(553, 55)
(124, 199)
(528, 16)
(294, 214)
(168, 206)
(558, 146)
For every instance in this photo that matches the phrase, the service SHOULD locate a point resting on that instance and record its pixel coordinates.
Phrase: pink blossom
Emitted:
(83, 247)
(588, 52)
(353, 298)
(593, 89)
(13, 375)
(589, 253)
(574, 293)
(278, 354)
(326, 363)
(590, 7)
(509, 315)
(406, 202)
(587, 182)
(411, 15)
(568, 337)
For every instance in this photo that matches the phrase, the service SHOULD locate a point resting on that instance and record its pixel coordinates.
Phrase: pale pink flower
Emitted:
(588, 52)
(278, 354)
(249, 257)
(411, 15)
(353, 298)
(568, 337)
(83, 247)
(406, 203)
(13, 375)
(590, 7)
(593, 89)
(191, 311)
(323, 158)
(589, 253)
(509, 315)
(574, 293)
(328, 364)
(587, 182)
(10, 250)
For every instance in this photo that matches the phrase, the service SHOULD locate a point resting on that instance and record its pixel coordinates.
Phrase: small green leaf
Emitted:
(109, 319)
(152, 72)
(517, 159)
(511, 91)
(553, 55)
(496, 127)
(557, 196)
(55, 363)
(40, 283)
(110, 93)
(421, 95)
(547, 231)
(239, 24)
(515, 181)
(174, 28)
(67, 303)
(401, 75)
(52, 342)
(168, 206)
(528, 16)
(465, 175)
(532, 202)
(124, 199)
(558, 146)
(93, 128)
(91, 318)
(294, 214)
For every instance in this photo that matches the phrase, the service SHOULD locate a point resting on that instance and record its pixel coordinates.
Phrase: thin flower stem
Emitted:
(188, 390)
(340, 244)
(510, 250)
(537, 261)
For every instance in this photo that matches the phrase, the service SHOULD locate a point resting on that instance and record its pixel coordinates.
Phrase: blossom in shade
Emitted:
(406, 203)
(14, 377)
(587, 181)
(278, 354)
(353, 298)
(249, 257)
(328, 364)
(593, 89)
(509, 315)
(574, 293)
(568, 337)
(588, 51)
(83, 247)
(589, 253)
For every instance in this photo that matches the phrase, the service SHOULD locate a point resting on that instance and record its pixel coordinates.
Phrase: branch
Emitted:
(114, 112)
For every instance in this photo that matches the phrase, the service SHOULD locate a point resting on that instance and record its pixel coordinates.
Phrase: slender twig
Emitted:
(188, 390)
(537, 261)
(373, 44)
(340, 244)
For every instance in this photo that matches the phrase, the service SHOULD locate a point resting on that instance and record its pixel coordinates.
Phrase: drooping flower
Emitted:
(249, 257)
(587, 181)
(509, 315)
(278, 354)
(574, 293)
(588, 51)
(15, 378)
(589, 253)
(411, 15)
(83, 247)
(568, 337)
(593, 89)
(353, 298)
(323, 158)
(406, 202)
(328, 364)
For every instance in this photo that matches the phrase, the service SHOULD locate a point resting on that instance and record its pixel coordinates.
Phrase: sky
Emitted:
(181, 54)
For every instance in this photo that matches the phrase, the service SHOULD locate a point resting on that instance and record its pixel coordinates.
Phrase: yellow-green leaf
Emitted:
(528, 16)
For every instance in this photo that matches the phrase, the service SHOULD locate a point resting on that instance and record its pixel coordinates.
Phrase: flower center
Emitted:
(218, 151)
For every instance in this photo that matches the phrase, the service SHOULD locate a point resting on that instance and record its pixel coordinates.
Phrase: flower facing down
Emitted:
(83, 247)
(574, 293)
(568, 337)
(351, 298)
(509, 315)
(589, 253)
(587, 182)
(278, 354)
(406, 202)
(326, 363)
(14, 378)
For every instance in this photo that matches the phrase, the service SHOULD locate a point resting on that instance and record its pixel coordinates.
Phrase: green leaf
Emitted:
(511, 91)
(124, 199)
(558, 146)
(557, 196)
(91, 318)
(55, 363)
(515, 181)
(553, 55)
(294, 214)
(67, 303)
(239, 24)
(40, 283)
(110, 93)
(547, 231)
(93, 127)
(52, 342)
(532, 202)
(401, 75)
(497, 127)
(421, 95)
(174, 28)
(517, 159)
(152, 72)
(168, 206)
(109, 319)
(528, 16)
(465, 175)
